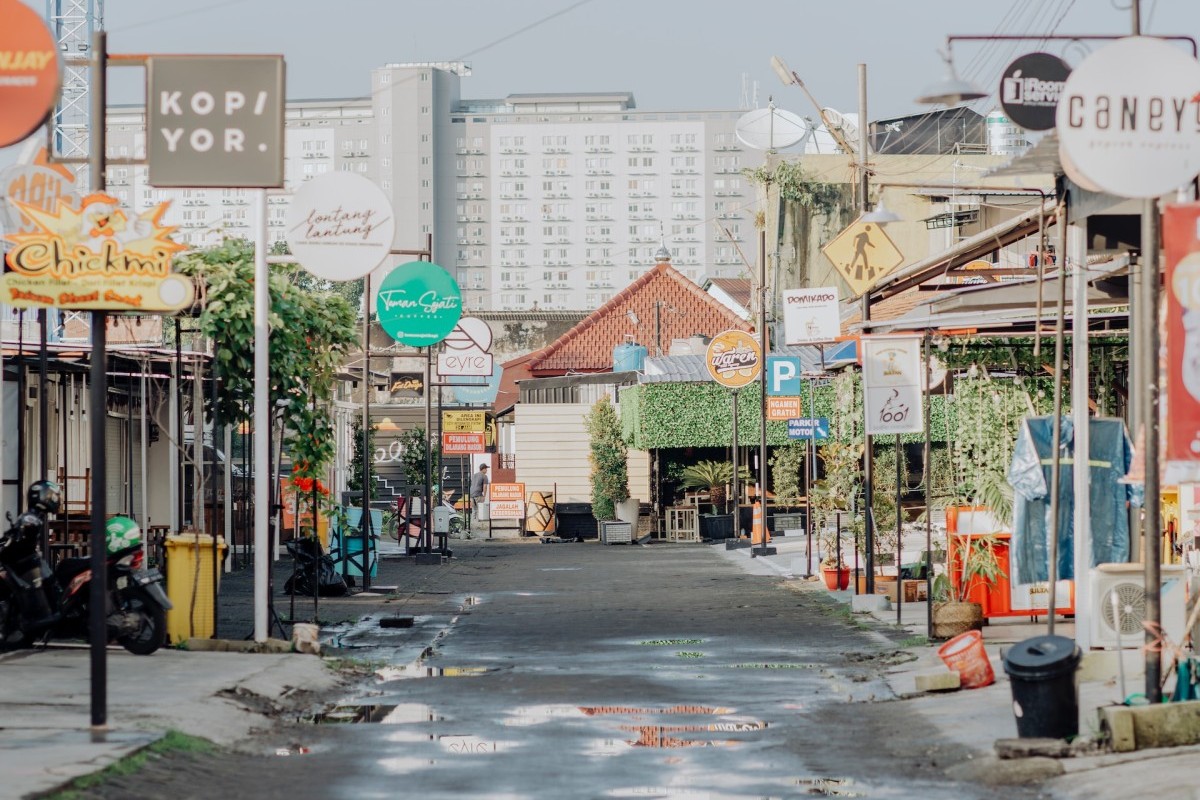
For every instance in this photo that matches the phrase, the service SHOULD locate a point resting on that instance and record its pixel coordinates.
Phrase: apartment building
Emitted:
(548, 201)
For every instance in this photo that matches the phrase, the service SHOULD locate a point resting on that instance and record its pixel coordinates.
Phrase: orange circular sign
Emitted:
(29, 71)
(734, 359)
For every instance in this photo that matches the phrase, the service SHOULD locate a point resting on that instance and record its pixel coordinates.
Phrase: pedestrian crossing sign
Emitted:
(863, 254)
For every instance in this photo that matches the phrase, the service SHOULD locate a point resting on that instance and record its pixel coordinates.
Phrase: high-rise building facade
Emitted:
(549, 201)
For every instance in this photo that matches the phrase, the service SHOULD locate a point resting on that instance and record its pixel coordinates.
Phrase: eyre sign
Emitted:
(215, 121)
(1128, 118)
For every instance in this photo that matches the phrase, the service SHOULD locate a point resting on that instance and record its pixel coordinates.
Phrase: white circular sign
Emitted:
(471, 333)
(340, 226)
(1127, 120)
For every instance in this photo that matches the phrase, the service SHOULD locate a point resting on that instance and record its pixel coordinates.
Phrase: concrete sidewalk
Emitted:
(225, 697)
(977, 718)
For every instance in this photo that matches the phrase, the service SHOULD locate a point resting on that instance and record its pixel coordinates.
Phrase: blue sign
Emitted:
(783, 376)
(808, 428)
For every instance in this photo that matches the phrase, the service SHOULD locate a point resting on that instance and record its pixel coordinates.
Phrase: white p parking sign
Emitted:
(215, 121)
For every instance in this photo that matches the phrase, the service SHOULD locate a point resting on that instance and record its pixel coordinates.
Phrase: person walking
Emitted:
(479, 488)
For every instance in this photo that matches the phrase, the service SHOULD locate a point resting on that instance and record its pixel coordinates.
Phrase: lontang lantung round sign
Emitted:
(418, 304)
(734, 359)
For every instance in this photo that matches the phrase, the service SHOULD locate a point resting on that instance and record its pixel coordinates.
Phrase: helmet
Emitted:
(45, 496)
(120, 533)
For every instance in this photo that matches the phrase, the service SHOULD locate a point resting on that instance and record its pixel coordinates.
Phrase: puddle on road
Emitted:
(535, 715)
(781, 665)
(828, 787)
(419, 669)
(384, 714)
(669, 642)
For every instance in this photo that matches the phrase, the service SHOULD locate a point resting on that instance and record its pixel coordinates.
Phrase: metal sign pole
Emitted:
(97, 606)
(262, 420)
(364, 524)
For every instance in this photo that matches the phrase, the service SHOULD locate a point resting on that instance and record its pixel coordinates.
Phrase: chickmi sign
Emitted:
(215, 121)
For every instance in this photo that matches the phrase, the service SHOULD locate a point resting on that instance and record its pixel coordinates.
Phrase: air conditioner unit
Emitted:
(1125, 583)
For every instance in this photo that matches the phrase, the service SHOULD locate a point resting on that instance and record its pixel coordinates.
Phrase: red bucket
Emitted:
(965, 655)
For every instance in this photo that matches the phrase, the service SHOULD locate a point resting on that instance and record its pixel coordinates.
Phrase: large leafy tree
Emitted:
(311, 330)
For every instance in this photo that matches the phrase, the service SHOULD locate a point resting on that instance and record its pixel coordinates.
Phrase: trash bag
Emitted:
(312, 562)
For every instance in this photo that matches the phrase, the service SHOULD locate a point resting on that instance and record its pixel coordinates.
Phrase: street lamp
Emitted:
(881, 215)
(790, 78)
(950, 90)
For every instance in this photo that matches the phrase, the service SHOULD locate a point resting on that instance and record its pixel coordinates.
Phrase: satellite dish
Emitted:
(771, 128)
(846, 125)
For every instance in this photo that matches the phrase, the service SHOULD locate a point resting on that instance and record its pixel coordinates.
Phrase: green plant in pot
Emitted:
(974, 560)
(829, 501)
(715, 478)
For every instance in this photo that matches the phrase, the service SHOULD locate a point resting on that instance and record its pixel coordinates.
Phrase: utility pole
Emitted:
(864, 180)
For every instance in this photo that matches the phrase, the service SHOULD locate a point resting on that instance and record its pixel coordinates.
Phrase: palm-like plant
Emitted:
(714, 476)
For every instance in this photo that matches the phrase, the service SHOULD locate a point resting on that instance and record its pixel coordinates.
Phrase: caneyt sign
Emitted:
(94, 256)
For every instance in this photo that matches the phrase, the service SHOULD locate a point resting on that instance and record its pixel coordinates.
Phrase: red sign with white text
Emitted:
(463, 443)
(1181, 245)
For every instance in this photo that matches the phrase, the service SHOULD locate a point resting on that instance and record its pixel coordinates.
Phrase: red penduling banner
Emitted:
(1181, 245)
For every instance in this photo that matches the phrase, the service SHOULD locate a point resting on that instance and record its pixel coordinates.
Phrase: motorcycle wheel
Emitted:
(456, 526)
(153, 631)
(11, 635)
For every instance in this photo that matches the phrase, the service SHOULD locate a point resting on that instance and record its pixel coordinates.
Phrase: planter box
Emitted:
(616, 532)
(715, 527)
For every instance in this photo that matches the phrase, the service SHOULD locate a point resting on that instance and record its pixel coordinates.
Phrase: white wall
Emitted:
(552, 447)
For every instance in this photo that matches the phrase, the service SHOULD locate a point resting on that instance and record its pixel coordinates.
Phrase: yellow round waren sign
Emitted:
(734, 359)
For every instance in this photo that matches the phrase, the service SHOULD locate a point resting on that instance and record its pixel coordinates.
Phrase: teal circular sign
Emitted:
(418, 304)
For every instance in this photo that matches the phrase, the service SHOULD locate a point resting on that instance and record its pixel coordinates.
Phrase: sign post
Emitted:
(863, 254)
(734, 359)
(419, 304)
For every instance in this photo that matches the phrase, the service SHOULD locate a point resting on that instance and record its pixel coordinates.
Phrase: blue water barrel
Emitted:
(629, 357)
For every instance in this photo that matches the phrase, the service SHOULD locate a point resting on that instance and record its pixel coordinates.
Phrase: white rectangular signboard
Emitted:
(892, 384)
(811, 315)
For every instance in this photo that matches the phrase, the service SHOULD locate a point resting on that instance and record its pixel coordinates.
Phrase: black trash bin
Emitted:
(1044, 689)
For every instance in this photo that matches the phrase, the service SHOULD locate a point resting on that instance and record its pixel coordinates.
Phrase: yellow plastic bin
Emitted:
(190, 569)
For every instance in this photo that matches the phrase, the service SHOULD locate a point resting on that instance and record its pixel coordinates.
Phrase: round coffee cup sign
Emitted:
(734, 359)
(29, 71)
(1128, 117)
(340, 226)
(418, 304)
(1030, 88)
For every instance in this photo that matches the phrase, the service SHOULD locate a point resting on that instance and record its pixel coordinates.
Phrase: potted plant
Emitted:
(610, 476)
(713, 477)
(829, 503)
(974, 561)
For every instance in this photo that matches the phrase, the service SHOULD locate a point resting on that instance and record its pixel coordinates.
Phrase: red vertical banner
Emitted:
(1181, 245)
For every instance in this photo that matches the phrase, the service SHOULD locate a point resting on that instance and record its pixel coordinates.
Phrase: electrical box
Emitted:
(441, 519)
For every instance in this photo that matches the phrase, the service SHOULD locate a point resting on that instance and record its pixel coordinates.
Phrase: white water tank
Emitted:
(1004, 137)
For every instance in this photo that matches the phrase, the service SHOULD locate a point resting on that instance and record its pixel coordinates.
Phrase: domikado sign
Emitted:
(94, 257)
(418, 304)
(1128, 120)
(29, 71)
(734, 359)
(340, 226)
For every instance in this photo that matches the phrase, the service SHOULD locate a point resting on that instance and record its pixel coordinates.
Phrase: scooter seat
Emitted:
(68, 568)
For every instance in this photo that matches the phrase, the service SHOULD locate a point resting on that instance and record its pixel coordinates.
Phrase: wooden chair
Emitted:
(72, 505)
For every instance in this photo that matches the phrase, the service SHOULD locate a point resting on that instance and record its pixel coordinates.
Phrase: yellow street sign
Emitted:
(863, 254)
(464, 421)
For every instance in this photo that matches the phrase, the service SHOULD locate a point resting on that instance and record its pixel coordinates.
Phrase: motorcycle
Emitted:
(37, 604)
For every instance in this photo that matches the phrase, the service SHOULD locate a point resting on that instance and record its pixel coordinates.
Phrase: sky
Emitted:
(671, 54)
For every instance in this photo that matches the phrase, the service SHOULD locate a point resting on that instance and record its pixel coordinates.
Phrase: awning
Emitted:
(1010, 304)
(967, 250)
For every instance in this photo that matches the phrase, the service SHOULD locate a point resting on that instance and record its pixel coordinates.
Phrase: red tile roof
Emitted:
(512, 371)
(740, 290)
(588, 346)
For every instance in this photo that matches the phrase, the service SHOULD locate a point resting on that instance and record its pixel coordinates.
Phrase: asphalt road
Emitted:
(584, 671)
